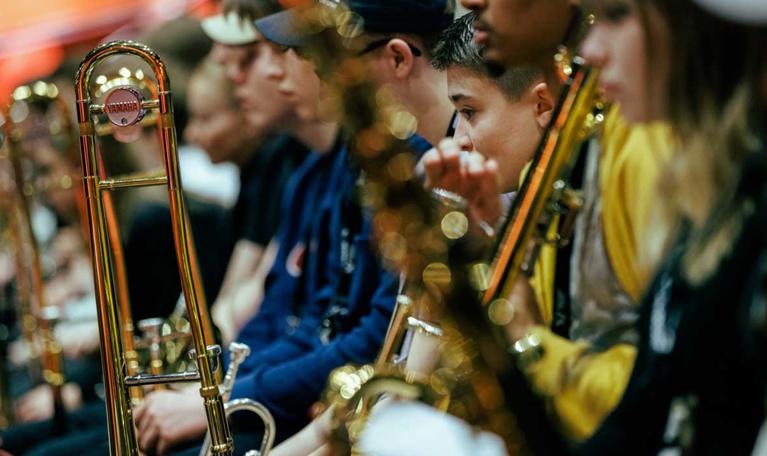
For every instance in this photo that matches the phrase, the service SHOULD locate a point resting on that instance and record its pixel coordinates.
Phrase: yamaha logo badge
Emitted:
(122, 106)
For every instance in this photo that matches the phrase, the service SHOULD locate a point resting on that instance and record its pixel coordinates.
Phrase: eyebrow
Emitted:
(458, 97)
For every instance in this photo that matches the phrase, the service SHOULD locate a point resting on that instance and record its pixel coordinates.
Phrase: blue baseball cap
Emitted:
(380, 16)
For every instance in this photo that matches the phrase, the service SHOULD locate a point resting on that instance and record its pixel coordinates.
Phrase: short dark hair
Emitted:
(250, 10)
(456, 48)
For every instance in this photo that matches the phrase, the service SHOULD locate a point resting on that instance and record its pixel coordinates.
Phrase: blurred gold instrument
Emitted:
(412, 236)
(477, 361)
(36, 115)
(124, 106)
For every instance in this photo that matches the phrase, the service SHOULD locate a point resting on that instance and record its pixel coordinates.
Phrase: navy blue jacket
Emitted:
(335, 312)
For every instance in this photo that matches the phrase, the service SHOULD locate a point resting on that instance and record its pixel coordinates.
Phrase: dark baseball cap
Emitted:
(379, 16)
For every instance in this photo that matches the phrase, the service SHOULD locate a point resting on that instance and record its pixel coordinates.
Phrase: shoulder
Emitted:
(638, 148)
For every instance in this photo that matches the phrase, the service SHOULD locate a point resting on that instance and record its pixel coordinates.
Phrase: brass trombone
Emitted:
(37, 316)
(124, 106)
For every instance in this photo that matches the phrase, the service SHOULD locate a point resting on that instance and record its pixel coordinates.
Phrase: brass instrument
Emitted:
(6, 402)
(124, 106)
(237, 354)
(545, 194)
(36, 113)
(413, 237)
(478, 362)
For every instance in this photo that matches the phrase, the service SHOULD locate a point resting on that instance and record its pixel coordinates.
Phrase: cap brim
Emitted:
(230, 29)
(281, 28)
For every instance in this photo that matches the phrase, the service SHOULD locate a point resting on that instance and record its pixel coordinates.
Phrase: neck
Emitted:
(317, 136)
(432, 108)
(248, 151)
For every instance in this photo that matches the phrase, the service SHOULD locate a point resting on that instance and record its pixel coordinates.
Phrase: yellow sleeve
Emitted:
(631, 161)
(581, 386)
(544, 271)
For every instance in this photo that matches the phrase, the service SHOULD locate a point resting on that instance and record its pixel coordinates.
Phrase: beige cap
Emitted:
(230, 29)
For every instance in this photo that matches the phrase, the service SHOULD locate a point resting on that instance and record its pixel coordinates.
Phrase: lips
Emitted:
(481, 37)
(611, 89)
(481, 33)
(245, 102)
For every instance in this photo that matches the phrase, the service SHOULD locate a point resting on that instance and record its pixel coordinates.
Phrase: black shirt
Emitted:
(698, 382)
(256, 213)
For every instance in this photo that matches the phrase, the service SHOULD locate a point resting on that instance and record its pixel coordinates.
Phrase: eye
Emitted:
(616, 11)
(467, 113)
(248, 57)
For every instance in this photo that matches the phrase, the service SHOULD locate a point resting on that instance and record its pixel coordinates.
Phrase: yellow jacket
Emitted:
(582, 385)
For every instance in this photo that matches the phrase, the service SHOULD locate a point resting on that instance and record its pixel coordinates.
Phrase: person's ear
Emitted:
(399, 57)
(544, 104)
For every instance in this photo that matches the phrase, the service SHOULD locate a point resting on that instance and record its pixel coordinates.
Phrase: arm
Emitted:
(289, 389)
(243, 288)
(582, 385)
(312, 439)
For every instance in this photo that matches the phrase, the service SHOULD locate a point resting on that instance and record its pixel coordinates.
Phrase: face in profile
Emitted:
(520, 32)
(215, 123)
(303, 86)
(617, 44)
(505, 130)
(258, 70)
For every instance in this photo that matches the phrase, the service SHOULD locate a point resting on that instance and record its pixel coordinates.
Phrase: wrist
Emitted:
(528, 350)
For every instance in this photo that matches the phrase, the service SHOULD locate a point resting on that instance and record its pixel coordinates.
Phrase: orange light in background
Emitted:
(35, 33)
(35, 63)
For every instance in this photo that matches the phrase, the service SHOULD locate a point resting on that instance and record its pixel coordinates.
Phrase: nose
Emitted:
(474, 5)
(188, 135)
(462, 135)
(274, 65)
(236, 74)
(190, 132)
(594, 47)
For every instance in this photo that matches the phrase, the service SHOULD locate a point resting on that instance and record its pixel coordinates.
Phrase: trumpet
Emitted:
(237, 354)
(124, 106)
(38, 317)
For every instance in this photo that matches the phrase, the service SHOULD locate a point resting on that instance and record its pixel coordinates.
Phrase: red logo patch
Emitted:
(295, 262)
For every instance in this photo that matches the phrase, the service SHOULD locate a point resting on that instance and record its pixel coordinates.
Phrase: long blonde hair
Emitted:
(713, 99)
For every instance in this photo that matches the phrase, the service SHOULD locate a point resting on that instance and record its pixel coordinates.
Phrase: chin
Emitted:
(634, 116)
(256, 122)
(495, 61)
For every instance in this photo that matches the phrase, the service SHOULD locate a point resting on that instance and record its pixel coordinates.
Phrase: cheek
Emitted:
(630, 51)
(218, 130)
(485, 138)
